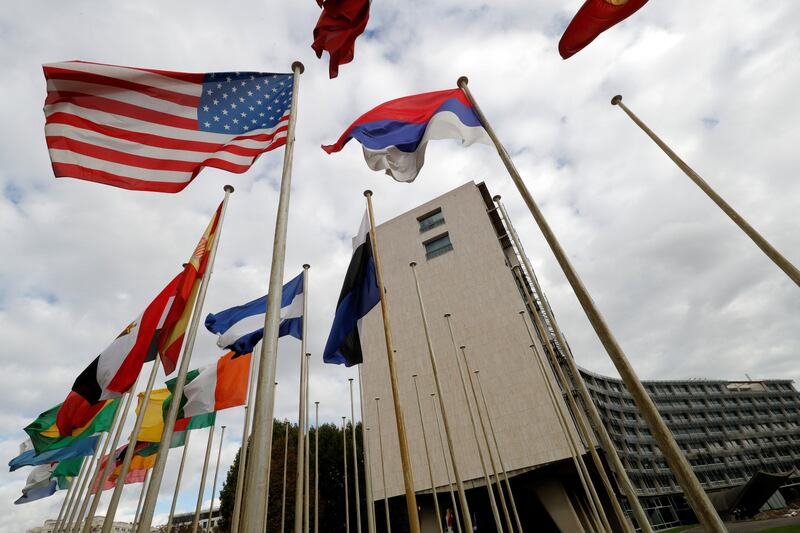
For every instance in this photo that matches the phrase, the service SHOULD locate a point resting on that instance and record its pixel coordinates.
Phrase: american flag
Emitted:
(153, 130)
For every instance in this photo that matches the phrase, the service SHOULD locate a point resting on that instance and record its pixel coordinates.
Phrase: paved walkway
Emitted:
(755, 525)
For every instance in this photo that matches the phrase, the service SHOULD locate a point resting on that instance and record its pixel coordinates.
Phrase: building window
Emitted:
(431, 220)
(438, 246)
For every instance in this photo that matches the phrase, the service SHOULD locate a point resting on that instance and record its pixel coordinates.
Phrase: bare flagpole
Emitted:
(141, 497)
(67, 497)
(367, 466)
(86, 485)
(459, 483)
(446, 467)
(257, 483)
(285, 464)
(178, 481)
(151, 498)
(355, 459)
(383, 469)
(316, 468)
(346, 490)
(214, 485)
(405, 459)
(307, 439)
(301, 416)
(679, 465)
(78, 480)
(269, 474)
(199, 505)
(750, 231)
(428, 458)
(237, 499)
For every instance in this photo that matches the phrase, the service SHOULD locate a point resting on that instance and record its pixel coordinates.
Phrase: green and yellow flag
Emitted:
(45, 435)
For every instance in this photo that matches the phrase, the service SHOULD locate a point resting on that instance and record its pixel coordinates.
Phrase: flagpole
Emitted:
(446, 467)
(285, 464)
(84, 473)
(355, 459)
(316, 468)
(301, 408)
(459, 483)
(428, 458)
(678, 463)
(178, 481)
(108, 522)
(151, 498)
(497, 482)
(611, 451)
(405, 459)
(367, 465)
(499, 454)
(199, 505)
(214, 485)
(237, 501)
(269, 474)
(147, 477)
(257, 484)
(73, 505)
(383, 469)
(473, 424)
(67, 496)
(346, 491)
(100, 477)
(784, 264)
(307, 438)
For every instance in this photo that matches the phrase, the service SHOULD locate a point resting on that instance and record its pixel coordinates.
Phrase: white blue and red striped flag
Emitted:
(394, 135)
(153, 130)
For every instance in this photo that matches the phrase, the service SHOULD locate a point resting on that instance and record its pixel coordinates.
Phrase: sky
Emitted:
(687, 294)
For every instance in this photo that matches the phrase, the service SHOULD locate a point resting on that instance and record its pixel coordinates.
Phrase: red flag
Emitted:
(75, 413)
(592, 19)
(338, 27)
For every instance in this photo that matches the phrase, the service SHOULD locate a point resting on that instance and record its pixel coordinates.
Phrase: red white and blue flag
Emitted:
(394, 135)
(154, 130)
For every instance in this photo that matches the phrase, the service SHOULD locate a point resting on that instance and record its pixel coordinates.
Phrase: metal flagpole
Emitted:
(459, 483)
(473, 424)
(346, 491)
(355, 459)
(101, 476)
(141, 497)
(73, 521)
(306, 484)
(151, 498)
(428, 458)
(108, 522)
(679, 465)
(600, 430)
(285, 464)
(316, 468)
(383, 469)
(367, 466)
(199, 505)
(237, 501)
(178, 481)
(257, 483)
(770, 251)
(580, 465)
(405, 459)
(497, 482)
(301, 415)
(269, 474)
(78, 480)
(214, 485)
(446, 467)
(499, 454)
(67, 496)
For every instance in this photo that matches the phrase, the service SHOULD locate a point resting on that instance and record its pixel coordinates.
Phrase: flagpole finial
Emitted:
(617, 99)
(306, 266)
(522, 312)
(276, 383)
(475, 371)
(531, 346)
(496, 198)
(413, 375)
(412, 264)
(447, 315)
(462, 81)
(349, 379)
(298, 66)
(228, 188)
(316, 403)
(462, 347)
(368, 193)
(308, 354)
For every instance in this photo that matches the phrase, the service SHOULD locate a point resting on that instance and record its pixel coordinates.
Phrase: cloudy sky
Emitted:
(688, 295)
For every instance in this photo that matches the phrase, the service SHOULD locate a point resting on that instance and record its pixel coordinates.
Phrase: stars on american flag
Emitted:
(259, 101)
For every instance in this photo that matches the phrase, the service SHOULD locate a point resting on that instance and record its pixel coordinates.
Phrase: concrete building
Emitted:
(97, 524)
(463, 258)
(733, 433)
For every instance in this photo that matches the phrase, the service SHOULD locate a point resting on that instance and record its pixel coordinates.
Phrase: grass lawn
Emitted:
(678, 529)
(783, 529)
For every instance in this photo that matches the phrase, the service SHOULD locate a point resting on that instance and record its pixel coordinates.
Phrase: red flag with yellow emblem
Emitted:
(592, 19)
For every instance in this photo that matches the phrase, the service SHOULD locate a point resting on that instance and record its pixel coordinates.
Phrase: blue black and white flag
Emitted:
(29, 457)
(359, 295)
(38, 485)
(240, 328)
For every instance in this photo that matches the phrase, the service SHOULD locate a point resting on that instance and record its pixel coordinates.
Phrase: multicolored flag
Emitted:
(65, 471)
(394, 135)
(29, 457)
(155, 130)
(170, 339)
(338, 27)
(46, 435)
(241, 327)
(592, 19)
(38, 485)
(215, 387)
(137, 471)
(359, 295)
